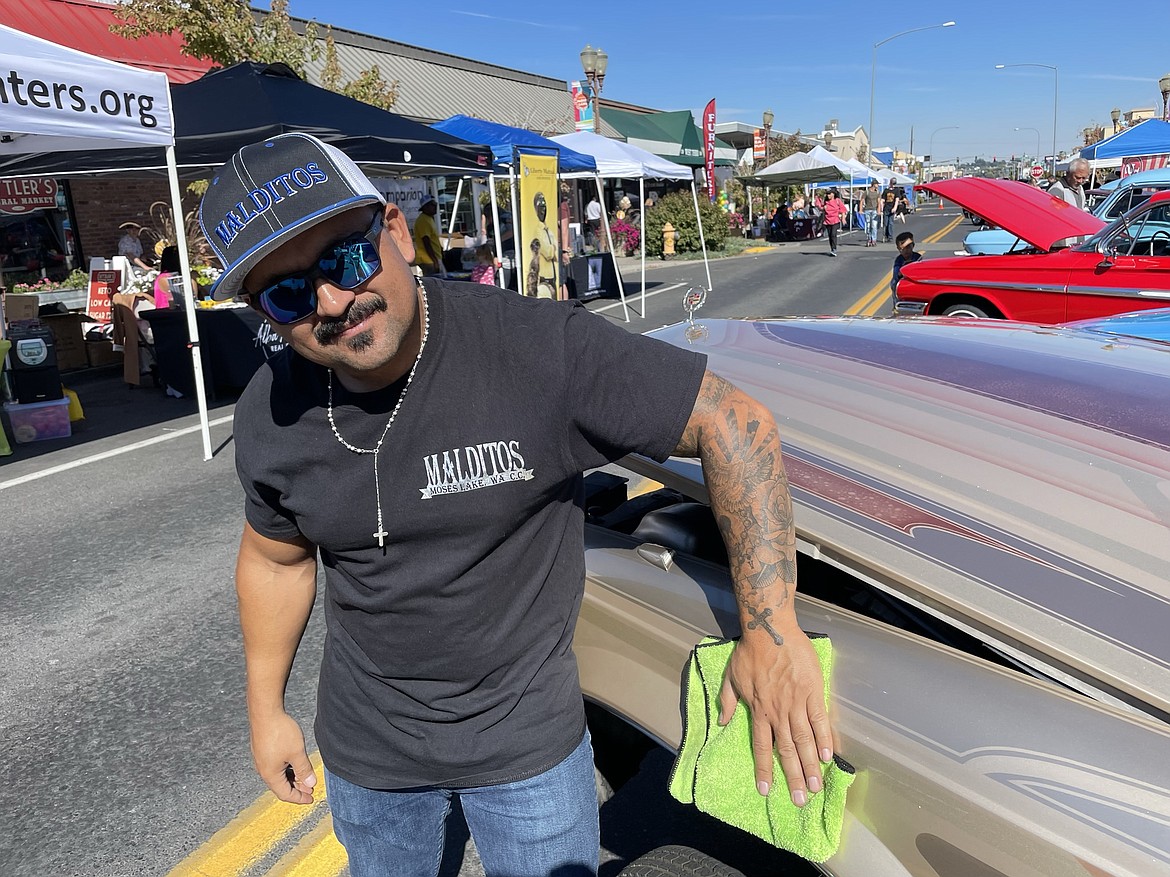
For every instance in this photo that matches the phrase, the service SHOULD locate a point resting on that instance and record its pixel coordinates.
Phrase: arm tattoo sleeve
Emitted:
(738, 443)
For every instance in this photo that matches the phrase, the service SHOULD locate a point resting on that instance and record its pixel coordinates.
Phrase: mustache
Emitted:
(327, 331)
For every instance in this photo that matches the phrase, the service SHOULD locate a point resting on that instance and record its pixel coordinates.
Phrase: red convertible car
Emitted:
(1123, 266)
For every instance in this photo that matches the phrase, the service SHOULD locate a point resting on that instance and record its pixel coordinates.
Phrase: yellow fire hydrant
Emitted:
(669, 236)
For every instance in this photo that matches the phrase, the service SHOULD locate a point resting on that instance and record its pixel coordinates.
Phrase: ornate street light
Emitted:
(1164, 85)
(1055, 98)
(873, 77)
(769, 118)
(1115, 114)
(593, 62)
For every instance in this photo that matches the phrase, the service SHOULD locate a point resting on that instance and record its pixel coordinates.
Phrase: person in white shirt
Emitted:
(593, 221)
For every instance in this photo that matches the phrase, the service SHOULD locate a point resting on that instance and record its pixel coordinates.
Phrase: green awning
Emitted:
(673, 136)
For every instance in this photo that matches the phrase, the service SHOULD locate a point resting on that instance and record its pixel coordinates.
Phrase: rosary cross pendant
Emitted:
(381, 535)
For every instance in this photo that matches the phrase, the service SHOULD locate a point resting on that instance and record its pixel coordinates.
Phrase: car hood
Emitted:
(1025, 211)
(1012, 477)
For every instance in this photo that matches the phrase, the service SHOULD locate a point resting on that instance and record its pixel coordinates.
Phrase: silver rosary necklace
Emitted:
(381, 534)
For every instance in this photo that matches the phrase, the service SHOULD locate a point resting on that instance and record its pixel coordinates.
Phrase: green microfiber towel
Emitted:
(715, 771)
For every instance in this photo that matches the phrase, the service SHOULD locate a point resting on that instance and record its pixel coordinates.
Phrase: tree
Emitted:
(369, 87)
(223, 31)
(226, 32)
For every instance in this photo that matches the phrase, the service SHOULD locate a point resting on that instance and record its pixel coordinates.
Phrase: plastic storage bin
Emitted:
(39, 420)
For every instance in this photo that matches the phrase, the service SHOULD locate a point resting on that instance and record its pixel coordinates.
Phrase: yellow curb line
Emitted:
(870, 303)
(319, 854)
(252, 834)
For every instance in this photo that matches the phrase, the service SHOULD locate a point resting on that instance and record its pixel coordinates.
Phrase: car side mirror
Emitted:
(1110, 256)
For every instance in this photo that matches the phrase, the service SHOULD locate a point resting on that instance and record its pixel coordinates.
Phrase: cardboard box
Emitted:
(68, 339)
(24, 306)
(102, 353)
(38, 421)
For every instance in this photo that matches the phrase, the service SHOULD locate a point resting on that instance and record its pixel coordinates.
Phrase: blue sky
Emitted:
(811, 62)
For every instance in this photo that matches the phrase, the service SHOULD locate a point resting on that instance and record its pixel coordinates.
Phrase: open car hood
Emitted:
(1027, 212)
(1010, 477)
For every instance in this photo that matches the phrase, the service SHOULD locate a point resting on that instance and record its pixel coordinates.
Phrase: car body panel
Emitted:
(1125, 266)
(1025, 211)
(1002, 479)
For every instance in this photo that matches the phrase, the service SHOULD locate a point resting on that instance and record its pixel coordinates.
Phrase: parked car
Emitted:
(1108, 202)
(1120, 267)
(982, 517)
(1152, 325)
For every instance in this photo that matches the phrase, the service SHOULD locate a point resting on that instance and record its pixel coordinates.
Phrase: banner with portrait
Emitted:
(538, 253)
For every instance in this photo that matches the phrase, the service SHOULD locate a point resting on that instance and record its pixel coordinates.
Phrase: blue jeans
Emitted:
(871, 224)
(547, 824)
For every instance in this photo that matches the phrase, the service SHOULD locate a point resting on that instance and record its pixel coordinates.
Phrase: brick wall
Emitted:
(102, 205)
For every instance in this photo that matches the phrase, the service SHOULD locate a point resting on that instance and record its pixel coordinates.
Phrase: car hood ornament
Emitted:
(693, 299)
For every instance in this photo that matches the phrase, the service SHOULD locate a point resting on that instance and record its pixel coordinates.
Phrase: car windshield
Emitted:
(1141, 232)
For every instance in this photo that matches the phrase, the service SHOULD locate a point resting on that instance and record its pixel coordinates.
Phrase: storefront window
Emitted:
(35, 237)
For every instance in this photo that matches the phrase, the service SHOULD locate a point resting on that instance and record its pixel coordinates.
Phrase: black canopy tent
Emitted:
(232, 107)
(245, 103)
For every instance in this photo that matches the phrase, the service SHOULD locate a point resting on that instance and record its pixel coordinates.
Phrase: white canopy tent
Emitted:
(816, 166)
(617, 160)
(72, 101)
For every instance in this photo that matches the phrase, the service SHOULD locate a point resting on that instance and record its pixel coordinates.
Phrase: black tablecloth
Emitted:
(233, 342)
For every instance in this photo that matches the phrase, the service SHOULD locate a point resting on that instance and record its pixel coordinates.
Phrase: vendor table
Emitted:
(234, 343)
(805, 229)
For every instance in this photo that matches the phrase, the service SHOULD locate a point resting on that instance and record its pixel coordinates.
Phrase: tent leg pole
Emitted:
(642, 236)
(189, 298)
(702, 240)
(455, 208)
(609, 237)
(499, 272)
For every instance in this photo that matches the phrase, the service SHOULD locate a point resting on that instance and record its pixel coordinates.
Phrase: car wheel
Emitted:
(676, 861)
(966, 310)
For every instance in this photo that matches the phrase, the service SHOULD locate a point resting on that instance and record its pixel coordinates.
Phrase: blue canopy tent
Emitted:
(1145, 138)
(503, 139)
(1151, 137)
(505, 143)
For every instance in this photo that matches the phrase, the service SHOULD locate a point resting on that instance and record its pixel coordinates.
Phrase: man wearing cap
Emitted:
(427, 246)
(426, 439)
(130, 246)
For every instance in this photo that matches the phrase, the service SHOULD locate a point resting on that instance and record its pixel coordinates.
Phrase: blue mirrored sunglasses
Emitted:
(346, 264)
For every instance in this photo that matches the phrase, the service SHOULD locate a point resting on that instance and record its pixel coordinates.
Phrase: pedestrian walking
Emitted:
(403, 437)
(871, 200)
(835, 212)
(889, 202)
(906, 255)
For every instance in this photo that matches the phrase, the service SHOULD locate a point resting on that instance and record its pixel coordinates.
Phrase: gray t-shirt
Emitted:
(448, 658)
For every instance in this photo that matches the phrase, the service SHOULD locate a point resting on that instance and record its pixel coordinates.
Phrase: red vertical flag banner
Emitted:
(709, 146)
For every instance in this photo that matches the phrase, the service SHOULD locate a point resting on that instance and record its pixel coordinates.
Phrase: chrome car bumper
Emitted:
(909, 308)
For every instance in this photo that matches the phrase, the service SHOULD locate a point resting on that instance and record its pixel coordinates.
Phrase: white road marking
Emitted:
(630, 298)
(105, 455)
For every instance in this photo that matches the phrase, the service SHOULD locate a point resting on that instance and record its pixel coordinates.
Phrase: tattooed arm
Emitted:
(774, 670)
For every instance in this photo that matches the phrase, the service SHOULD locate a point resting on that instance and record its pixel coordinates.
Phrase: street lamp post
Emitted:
(769, 118)
(1037, 130)
(932, 133)
(593, 62)
(873, 76)
(1164, 85)
(1055, 100)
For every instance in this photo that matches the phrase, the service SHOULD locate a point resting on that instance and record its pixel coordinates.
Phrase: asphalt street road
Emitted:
(122, 716)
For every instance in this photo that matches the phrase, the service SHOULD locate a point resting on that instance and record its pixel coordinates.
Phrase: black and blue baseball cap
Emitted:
(269, 193)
